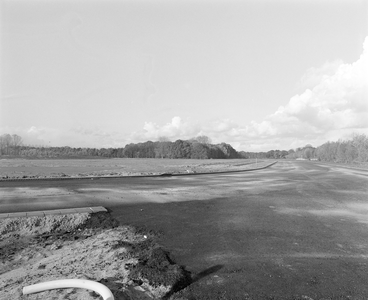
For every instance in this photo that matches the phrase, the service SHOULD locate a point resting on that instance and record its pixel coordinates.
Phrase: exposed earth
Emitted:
(84, 246)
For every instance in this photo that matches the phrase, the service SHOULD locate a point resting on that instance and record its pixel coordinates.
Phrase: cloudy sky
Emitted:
(259, 75)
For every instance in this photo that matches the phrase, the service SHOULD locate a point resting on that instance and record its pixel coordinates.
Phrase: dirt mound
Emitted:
(84, 246)
(56, 223)
(157, 271)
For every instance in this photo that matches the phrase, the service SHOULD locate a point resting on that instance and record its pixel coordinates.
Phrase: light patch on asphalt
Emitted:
(358, 211)
(282, 259)
(102, 190)
(327, 255)
(167, 195)
(281, 263)
(359, 207)
(26, 192)
(289, 211)
(263, 184)
(220, 257)
(176, 190)
(355, 172)
(285, 166)
(160, 195)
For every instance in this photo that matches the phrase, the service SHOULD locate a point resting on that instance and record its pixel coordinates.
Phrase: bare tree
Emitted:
(2, 145)
(5, 143)
(16, 143)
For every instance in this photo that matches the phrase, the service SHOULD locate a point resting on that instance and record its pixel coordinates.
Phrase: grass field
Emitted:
(39, 168)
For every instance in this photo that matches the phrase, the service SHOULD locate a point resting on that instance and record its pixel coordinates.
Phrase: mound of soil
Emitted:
(84, 246)
(55, 224)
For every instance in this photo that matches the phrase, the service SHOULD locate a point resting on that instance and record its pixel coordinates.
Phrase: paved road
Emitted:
(295, 230)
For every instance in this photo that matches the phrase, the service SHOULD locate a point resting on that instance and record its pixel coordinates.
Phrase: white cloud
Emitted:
(338, 103)
(335, 106)
(314, 75)
(176, 129)
(222, 125)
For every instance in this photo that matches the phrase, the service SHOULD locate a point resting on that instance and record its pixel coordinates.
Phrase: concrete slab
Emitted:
(82, 210)
(43, 213)
(17, 215)
(98, 209)
(52, 212)
(35, 214)
(65, 211)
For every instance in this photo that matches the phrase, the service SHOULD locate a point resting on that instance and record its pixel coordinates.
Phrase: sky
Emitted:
(258, 75)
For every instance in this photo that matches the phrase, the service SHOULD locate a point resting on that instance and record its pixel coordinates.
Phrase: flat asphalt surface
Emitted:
(296, 230)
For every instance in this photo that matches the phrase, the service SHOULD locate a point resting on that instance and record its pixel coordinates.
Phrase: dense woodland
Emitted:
(198, 148)
(354, 150)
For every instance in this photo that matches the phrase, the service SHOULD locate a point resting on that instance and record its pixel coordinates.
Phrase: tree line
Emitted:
(195, 148)
(272, 154)
(345, 151)
(354, 150)
(306, 152)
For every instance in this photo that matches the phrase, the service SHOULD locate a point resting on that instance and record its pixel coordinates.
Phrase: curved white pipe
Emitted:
(70, 283)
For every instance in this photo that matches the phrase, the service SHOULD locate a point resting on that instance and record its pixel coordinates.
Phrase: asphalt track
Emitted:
(295, 230)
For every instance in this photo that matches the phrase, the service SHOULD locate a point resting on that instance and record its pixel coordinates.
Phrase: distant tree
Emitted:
(341, 151)
(2, 145)
(351, 152)
(360, 143)
(307, 153)
(162, 149)
(199, 151)
(130, 150)
(216, 152)
(16, 143)
(228, 150)
(283, 154)
(5, 143)
(180, 149)
(147, 149)
(243, 154)
(327, 151)
(270, 154)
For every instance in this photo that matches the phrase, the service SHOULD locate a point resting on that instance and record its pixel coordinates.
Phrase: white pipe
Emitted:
(70, 283)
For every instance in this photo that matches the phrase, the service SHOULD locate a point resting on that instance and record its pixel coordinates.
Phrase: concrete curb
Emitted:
(44, 213)
(135, 176)
(219, 172)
